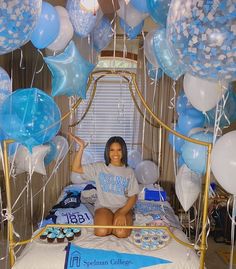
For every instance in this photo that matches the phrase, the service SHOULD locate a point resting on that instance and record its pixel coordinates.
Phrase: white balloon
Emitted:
(31, 162)
(223, 161)
(62, 147)
(203, 94)
(130, 15)
(187, 186)
(65, 33)
(147, 172)
(90, 5)
(134, 158)
(149, 49)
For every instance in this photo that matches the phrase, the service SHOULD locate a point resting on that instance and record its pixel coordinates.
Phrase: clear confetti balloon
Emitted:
(17, 21)
(33, 117)
(203, 34)
(82, 20)
(5, 85)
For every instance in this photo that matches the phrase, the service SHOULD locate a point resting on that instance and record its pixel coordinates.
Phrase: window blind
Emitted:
(112, 113)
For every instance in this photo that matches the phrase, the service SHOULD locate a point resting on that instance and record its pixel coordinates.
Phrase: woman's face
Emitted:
(115, 154)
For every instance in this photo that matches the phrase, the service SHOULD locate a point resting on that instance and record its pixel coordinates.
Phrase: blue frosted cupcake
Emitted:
(60, 237)
(51, 237)
(70, 236)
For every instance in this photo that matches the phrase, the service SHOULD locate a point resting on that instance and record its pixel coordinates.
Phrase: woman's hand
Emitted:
(119, 219)
(78, 140)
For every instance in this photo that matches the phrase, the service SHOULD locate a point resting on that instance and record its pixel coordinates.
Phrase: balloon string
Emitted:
(41, 68)
(21, 59)
(35, 66)
(172, 100)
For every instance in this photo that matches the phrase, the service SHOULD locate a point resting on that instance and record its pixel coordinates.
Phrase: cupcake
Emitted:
(44, 235)
(56, 231)
(67, 230)
(60, 238)
(70, 236)
(138, 242)
(137, 235)
(51, 237)
(77, 232)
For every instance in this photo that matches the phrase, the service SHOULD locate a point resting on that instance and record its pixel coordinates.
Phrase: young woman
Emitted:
(117, 187)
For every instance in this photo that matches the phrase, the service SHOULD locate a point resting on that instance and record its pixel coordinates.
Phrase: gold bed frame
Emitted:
(131, 79)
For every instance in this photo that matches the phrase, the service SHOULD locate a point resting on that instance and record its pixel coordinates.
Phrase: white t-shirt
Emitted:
(115, 184)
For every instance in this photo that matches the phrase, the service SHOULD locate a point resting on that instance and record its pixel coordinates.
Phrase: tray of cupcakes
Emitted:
(59, 235)
(149, 239)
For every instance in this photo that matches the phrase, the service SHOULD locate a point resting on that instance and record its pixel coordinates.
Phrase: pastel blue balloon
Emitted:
(153, 72)
(192, 118)
(18, 19)
(203, 37)
(102, 34)
(51, 155)
(70, 72)
(165, 56)
(182, 103)
(83, 21)
(5, 85)
(158, 10)
(47, 27)
(229, 109)
(32, 117)
(175, 141)
(194, 155)
(140, 5)
(131, 32)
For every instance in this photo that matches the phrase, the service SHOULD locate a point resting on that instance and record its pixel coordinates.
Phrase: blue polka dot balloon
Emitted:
(5, 85)
(17, 21)
(32, 117)
(203, 33)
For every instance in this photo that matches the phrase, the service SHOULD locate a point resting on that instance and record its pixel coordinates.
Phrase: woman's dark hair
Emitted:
(121, 141)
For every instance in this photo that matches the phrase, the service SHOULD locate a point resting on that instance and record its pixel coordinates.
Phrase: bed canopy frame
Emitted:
(130, 78)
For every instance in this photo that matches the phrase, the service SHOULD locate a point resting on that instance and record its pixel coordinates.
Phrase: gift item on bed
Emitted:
(74, 206)
(152, 192)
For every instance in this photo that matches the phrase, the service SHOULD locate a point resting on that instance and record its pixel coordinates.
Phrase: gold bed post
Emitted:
(205, 208)
(8, 197)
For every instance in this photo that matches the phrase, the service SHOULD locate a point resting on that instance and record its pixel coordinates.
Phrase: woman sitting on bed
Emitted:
(117, 187)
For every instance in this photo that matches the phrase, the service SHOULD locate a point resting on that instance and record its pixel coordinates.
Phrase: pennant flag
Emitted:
(79, 258)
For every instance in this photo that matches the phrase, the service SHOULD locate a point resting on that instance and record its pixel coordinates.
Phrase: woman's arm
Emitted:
(128, 206)
(77, 166)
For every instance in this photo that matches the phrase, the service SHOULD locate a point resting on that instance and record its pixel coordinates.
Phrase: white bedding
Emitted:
(40, 255)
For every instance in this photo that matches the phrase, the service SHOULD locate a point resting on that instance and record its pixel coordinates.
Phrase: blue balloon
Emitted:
(153, 73)
(47, 27)
(180, 161)
(83, 21)
(51, 155)
(12, 148)
(194, 155)
(131, 32)
(140, 5)
(166, 59)
(18, 19)
(203, 37)
(32, 117)
(182, 103)
(158, 10)
(5, 85)
(192, 118)
(70, 72)
(102, 34)
(229, 115)
(175, 141)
